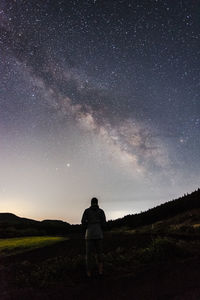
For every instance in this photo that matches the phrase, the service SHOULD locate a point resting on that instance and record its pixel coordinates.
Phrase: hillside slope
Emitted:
(161, 212)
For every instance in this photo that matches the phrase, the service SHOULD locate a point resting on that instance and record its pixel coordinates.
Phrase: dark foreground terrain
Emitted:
(137, 266)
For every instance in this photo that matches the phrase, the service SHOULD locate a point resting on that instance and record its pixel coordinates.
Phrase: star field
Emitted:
(98, 98)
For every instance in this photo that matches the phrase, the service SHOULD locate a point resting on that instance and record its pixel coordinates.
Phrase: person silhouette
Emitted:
(94, 220)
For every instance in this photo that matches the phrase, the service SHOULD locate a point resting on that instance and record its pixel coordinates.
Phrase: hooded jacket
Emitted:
(94, 220)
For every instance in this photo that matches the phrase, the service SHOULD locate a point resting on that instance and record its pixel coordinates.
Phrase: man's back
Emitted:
(94, 220)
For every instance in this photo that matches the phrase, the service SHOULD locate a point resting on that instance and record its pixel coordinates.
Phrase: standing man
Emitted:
(94, 221)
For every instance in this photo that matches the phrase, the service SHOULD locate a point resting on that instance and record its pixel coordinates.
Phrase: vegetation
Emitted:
(159, 213)
(16, 245)
(69, 266)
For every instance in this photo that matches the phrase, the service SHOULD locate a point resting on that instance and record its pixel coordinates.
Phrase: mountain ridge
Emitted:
(13, 225)
(161, 212)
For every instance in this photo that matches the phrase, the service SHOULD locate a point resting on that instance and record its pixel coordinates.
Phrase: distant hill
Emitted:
(8, 217)
(12, 225)
(159, 213)
(13, 219)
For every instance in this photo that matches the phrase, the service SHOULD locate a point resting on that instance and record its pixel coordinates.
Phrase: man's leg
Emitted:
(88, 257)
(99, 248)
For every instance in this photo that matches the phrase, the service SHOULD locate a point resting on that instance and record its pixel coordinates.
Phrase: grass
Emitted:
(17, 245)
(69, 266)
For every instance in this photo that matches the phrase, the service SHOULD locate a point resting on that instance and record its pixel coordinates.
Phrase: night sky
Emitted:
(98, 98)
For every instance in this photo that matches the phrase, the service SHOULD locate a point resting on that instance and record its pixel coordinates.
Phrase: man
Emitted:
(94, 220)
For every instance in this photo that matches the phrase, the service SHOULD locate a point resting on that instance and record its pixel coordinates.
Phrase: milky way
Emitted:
(98, 98)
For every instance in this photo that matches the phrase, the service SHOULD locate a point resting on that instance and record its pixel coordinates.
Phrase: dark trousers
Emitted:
(93, 247)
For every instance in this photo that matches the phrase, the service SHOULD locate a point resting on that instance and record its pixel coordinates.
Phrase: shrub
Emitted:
(160, 249)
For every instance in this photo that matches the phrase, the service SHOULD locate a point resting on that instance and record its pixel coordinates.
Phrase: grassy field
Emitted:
(146, 266)
(17, 245)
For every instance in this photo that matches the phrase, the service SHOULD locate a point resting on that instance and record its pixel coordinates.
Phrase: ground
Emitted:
(136, 267)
